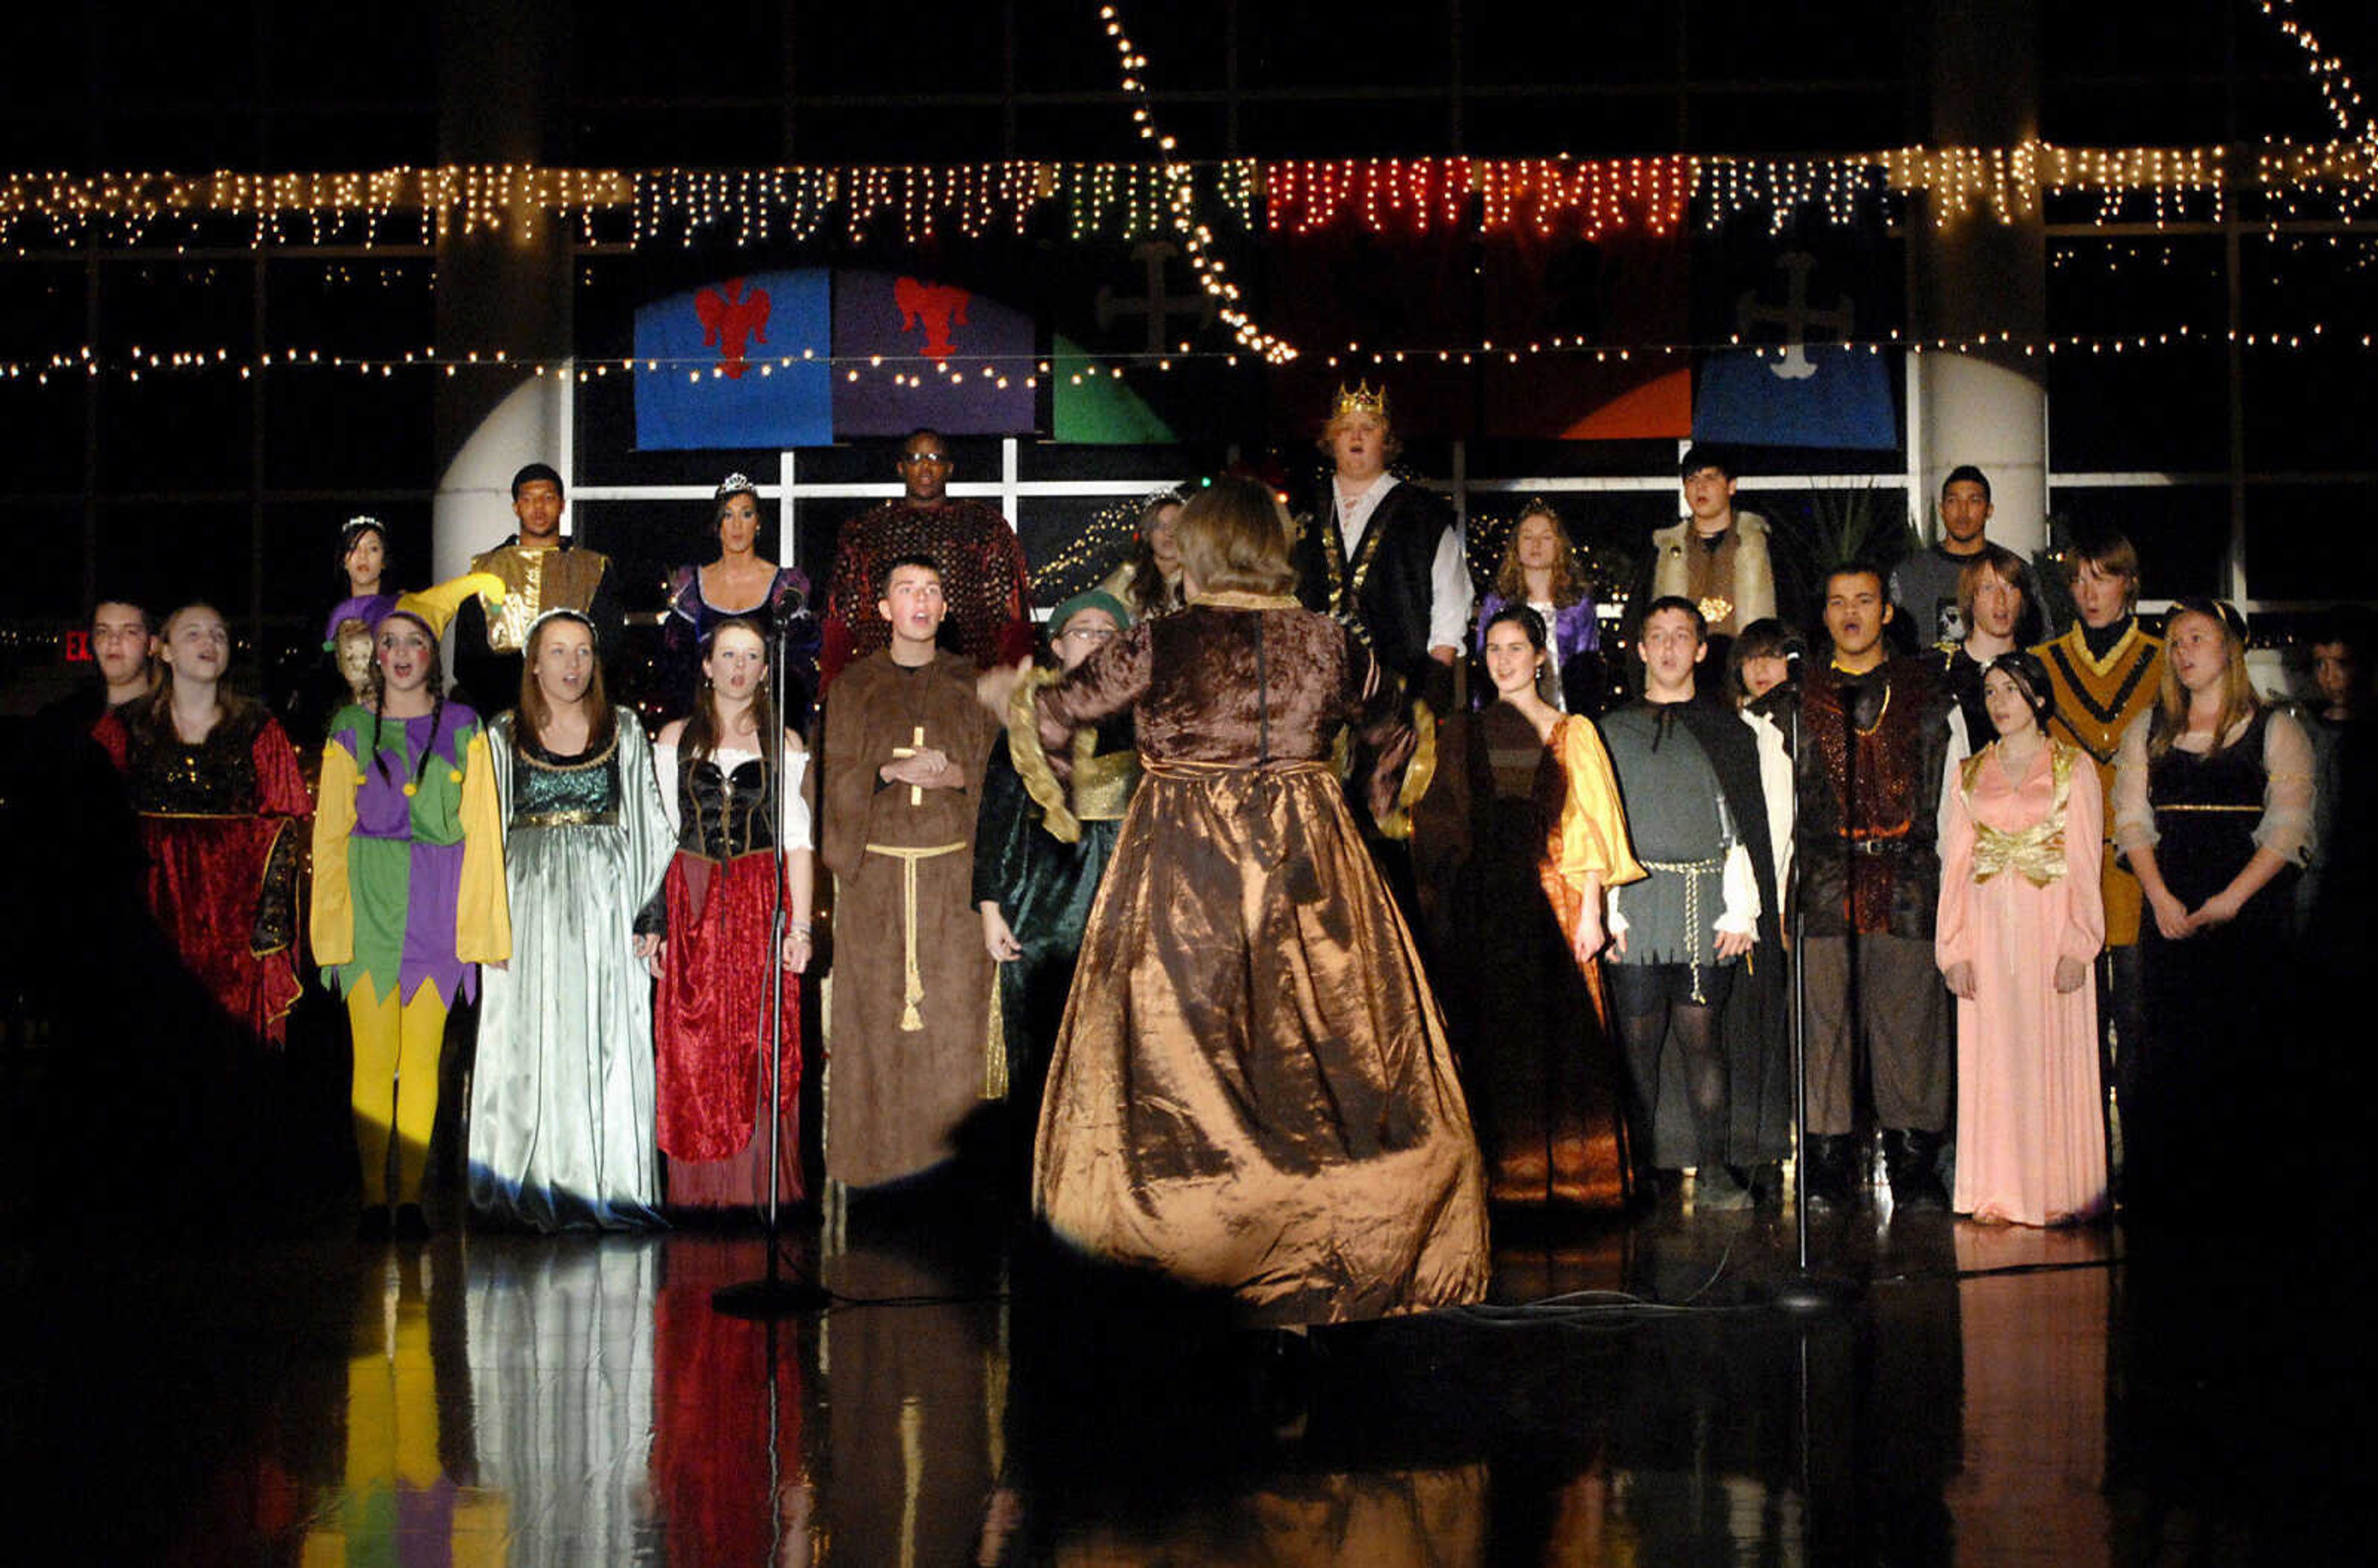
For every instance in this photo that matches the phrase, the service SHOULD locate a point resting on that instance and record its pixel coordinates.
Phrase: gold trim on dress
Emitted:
(573, 817)
(1102, 780)
(1031, 761)
(1237, 599)
(1418, 773)
(577, 766)
(2036, 853)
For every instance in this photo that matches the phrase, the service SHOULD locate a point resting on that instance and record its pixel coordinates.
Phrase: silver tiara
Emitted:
(731, 483)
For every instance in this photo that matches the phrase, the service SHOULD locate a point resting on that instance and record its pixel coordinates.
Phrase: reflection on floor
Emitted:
(1989, 1395)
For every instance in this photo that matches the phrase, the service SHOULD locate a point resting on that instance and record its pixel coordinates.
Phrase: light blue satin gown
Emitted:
(561, 1097)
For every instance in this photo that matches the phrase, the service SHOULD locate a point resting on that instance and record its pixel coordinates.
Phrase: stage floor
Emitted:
(1988, 1395)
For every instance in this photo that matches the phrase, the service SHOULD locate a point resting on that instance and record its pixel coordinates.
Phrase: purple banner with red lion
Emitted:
(917, 351)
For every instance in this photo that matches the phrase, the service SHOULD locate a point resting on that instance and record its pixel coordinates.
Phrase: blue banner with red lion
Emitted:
(739, 362)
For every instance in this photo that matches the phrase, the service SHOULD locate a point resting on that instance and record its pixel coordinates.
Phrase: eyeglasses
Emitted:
(922, 457)
(1090, 633)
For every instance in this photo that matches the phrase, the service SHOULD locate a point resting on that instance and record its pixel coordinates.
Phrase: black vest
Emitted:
(1383, 594)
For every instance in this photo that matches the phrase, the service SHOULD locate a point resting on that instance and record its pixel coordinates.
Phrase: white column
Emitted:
(1995, 417)
(1979, 276)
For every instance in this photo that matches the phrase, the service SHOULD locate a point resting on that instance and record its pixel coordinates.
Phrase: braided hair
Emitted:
(437, 713)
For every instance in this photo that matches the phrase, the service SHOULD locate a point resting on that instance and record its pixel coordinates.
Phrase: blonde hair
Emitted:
(1233, 538)
(2239, 699)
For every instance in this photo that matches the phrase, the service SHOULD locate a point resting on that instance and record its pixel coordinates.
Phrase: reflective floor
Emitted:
(1985, 1395)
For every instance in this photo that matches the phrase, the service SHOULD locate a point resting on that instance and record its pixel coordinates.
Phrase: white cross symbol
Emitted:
(1794, 317)
(1158, 305)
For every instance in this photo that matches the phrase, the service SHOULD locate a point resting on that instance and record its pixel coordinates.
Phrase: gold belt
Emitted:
(1187, 768)
(576, 817)
(912, 1017)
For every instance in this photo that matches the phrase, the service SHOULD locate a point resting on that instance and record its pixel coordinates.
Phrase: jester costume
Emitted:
(408, 899)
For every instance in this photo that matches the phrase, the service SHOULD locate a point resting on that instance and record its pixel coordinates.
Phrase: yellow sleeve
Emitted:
(1591, 839)
(333, 922)
(483, 923)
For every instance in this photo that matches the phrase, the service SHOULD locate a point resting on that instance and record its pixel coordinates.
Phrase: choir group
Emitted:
(1198, 889)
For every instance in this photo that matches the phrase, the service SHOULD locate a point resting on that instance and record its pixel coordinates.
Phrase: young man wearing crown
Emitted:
(1385, 556)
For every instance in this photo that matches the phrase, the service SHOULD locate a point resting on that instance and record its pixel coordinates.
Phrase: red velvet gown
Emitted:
(716, 907)
(223, 823)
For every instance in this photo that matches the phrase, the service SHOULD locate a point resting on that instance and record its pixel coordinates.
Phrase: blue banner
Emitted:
(1795, 305)
(721, 365)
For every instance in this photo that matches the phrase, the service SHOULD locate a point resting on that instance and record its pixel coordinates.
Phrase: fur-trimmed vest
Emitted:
(1753, 593)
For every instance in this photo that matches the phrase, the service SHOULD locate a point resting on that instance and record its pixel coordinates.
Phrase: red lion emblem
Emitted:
(732, 320)
(937, 306)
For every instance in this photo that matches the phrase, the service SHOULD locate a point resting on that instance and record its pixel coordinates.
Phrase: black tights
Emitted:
(1648, 1016)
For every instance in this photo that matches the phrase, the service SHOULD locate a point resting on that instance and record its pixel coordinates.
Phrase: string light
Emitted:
(1196, 238)
(2337, 89)
(1179, 198)
(86, 362)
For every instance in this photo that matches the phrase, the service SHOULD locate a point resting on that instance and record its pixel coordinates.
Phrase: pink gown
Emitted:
(2019, 889)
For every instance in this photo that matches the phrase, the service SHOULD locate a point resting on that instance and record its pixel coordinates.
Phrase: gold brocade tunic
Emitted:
(536, 581)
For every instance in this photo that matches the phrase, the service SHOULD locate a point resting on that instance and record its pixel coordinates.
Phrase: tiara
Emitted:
(561, 613)
(358, 523)
(1362, 400)
(731, 484)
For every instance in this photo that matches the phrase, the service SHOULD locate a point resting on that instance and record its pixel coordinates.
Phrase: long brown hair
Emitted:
(535, 713)
(2239, 699)
(157, 708)
(699, 736)
(1511, 578)
(1148, 592)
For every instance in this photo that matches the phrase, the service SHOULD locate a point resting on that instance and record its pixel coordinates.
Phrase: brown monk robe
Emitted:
(911, 1018)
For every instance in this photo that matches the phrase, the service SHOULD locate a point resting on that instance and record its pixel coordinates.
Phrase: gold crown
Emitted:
(1362, 400)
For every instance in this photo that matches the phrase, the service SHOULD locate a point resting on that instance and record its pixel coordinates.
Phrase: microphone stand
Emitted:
(1805, 1291)
(774, 1295)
